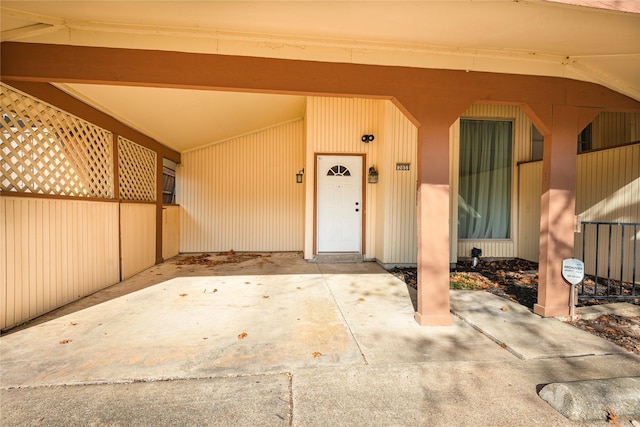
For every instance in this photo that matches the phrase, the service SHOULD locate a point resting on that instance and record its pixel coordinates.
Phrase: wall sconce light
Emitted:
(299, 176)
(367, 138)
(372, 177)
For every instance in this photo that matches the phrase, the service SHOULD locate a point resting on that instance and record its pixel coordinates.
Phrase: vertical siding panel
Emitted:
(45, 254)
(24, 257)
(170, 231)
(607, 190)
(8, 250)
(29, 262)
(49, 257)
(335, 125)
(65, 253)
(242, 193)
(58, 253)
(3, 264)
(400, 228)
(529, 222)
(138, 237)
(38, 259)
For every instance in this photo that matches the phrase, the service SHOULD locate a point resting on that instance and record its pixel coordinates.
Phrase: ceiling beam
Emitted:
(150, 68)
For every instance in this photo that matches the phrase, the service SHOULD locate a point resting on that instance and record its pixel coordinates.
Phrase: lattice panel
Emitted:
(137, 171)
(47, 151)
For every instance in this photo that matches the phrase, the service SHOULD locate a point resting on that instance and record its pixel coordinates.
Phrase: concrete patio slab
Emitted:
(379, 313)
(324, 345)
(618, 308)
(524, 333)
(186, 327)
(462, 393)
(262, 400)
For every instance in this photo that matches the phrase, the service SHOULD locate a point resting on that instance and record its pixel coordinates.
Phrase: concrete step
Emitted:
(335, 258)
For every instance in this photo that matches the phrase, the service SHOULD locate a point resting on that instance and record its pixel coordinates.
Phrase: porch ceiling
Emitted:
(561, 38)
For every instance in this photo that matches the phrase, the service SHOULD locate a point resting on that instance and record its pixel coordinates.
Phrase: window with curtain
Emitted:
(484, 195)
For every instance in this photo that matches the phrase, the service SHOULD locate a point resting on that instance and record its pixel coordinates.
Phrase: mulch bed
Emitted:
(517, 280)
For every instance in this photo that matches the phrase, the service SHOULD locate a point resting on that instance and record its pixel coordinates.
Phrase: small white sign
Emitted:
(573, 270)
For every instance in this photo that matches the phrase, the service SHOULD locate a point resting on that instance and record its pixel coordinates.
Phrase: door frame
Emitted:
(364, 198)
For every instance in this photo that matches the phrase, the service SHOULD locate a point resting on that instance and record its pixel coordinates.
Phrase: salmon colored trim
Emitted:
(408, 86)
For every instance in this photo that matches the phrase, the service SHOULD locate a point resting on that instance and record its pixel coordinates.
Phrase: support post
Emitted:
(557, 210)
(433, 224)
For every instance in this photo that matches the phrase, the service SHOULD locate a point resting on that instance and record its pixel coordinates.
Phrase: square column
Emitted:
(557, 211)
(433, 224)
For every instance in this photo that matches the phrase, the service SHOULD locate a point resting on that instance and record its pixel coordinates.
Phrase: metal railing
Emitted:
(622, 245)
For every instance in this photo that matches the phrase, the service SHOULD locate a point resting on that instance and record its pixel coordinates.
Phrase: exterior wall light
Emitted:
(367, 138)
(299, 176)
(372, 177)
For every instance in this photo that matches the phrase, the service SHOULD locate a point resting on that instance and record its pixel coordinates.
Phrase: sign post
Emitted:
(573, 272)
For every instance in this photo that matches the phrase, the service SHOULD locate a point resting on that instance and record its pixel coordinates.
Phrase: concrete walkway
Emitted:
(276, 341)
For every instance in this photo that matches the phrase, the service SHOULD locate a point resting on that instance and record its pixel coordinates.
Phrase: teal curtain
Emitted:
(484, 196)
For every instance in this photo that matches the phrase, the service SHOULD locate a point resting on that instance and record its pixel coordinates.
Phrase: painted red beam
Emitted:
(151, 68)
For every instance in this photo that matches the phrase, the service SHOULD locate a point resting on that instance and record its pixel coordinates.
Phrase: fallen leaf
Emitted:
(503, 345)
(183, 295)
(265, 296)
(65, 341)
(317, 354)
(242, 336)
(215, 290)
(612, 417)
(73, 323)
(504, 308)
(360, 299)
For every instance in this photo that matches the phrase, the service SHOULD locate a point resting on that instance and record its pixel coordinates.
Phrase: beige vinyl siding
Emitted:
(530, 193)
(501, 248)
(54, 251)
(397, 231)
(607, 190)
(170, 231)
(335, 126)
(611, 129)
(138, 237)
(241, 193)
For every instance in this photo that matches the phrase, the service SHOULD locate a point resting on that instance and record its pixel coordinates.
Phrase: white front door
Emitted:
(339, 204)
